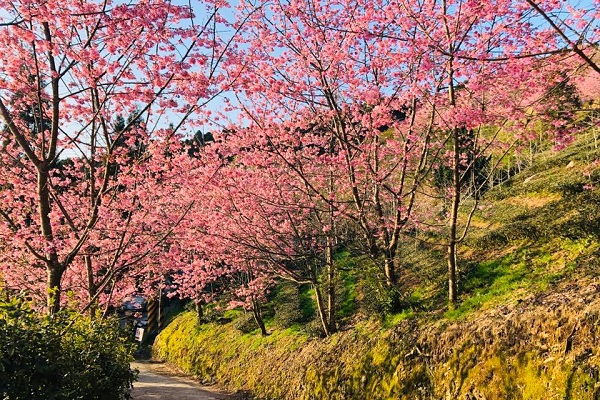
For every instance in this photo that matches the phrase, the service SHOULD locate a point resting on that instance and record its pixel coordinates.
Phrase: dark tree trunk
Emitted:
(92, 288)
(54, 275)
(199, 311)
(258, 317)
(54, 268)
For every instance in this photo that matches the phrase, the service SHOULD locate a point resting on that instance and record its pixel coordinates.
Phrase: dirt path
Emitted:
(158, 382)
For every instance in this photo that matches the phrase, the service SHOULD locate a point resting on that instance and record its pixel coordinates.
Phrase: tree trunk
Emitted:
(456, 183)
(321, 310)
(92, 289)
(452, 239)
(452, 283)
(54, 269)
(258, 317)
(390, 271)
(331, 309)
(199, 311)
(391, 281)
(54, 275)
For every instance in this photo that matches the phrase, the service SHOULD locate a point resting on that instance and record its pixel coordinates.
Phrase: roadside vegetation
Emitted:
(63, 357)
(524, 327)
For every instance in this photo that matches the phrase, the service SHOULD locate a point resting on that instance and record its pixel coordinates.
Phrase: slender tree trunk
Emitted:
(92, 288)
(329, 263)
(258, 317)
(331, 295)
(390, 270)
(54, 269)
(199, 311)
(452, 282)
(531, 152)
(391, 279)
(453, 225)
(455, 201)
(108, 301)
(321, 310)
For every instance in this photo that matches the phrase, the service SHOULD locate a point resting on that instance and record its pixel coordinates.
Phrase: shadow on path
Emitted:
(158, 382)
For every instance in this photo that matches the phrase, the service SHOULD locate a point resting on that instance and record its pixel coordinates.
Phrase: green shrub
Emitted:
(585, 222)
(63, 357)
(314, 328)
(245, 323)
(570, 188)
(378, 300)
(521, 229)
(210, 312)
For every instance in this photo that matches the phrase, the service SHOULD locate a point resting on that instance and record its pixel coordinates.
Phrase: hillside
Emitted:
(526, 326)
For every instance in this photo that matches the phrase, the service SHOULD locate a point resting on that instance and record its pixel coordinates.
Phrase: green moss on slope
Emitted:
(527, 326)
(544, 347)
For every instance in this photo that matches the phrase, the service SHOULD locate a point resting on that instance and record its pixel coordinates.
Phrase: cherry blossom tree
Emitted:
(452, 70)
(575, 27)
(260, 221)
(84, 203)
(346, 109)
(317, 69)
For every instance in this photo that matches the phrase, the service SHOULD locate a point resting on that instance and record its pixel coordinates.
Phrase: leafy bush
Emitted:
(314, 328)
(586, 221)
(245, 323)
(378, 299)
(63, 357)
(522, 229)
(570, 188)
(210, 312)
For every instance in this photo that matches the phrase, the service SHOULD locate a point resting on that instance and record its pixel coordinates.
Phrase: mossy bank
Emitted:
(541, 347)
(526, 326)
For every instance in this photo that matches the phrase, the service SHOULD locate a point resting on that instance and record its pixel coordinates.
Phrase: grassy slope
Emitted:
(537, 229)
(526, 328)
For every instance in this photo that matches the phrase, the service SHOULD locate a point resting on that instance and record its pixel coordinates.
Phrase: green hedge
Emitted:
(63, 357)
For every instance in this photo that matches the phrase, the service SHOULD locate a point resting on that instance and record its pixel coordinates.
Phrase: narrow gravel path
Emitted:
(158, 382)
